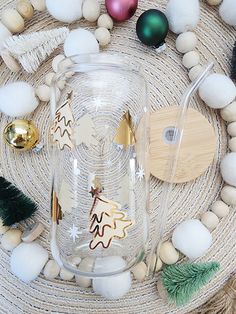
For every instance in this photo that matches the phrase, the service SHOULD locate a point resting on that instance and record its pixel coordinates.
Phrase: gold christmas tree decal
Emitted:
(62, 127)
(106, 222)
(125, 135)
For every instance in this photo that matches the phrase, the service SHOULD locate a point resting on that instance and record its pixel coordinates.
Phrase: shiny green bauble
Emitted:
(152, 28)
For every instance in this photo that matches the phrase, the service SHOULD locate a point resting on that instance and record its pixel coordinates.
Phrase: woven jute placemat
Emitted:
(167, 79)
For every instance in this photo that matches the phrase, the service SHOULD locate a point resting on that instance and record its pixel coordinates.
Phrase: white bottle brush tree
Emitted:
(32, 49)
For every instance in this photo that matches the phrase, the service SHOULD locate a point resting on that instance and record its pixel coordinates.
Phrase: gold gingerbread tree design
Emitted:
(107, 222)
(62, 128)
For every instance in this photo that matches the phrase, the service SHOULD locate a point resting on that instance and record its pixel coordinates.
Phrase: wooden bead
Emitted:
(75, 260)
(25, 9)
(191, 59)
(195, 72)
(151, 262)
(105, 21)
(140, 271)
(213, 2)
(11, 239)
(220, 209)
(10, 62)
(186, 42)
(86, 265)
(228, 195)
(210, 220)
(229, 112)
(51, 270)
(66, 274)
(3, 229)
(103, 36)
(91, 10)
(231, 129)
(39, 5)
(48, 78)
(168, 254)
(232, 144)
(56, 61)
(43, 92)
(13, 20)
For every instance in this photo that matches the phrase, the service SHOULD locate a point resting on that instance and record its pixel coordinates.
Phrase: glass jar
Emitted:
(100, 156)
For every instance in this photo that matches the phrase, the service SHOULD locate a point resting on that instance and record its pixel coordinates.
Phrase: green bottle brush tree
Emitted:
(182, 281)
(14, 205)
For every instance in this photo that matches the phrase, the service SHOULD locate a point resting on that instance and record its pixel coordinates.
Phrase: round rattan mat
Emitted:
(167, 80)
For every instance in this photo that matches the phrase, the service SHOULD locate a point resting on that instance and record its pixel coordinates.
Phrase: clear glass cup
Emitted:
(100, 163)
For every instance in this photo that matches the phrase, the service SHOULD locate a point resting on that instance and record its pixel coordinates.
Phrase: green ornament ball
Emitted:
(152, 28)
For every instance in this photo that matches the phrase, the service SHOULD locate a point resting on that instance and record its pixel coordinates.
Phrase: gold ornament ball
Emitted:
(21, 135)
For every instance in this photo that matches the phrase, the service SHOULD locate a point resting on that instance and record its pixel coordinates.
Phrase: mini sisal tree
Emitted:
(14, 205)
(182, 281)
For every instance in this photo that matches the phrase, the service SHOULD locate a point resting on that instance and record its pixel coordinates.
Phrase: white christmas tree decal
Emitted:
(65, 198)
(107, 222)
(62, 127)
(85, 131)
(32, 49)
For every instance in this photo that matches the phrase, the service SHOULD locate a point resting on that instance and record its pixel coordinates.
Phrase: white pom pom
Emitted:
(65, 11)
(17, 99)
(228, 12)
(217, 91)
(27, 261)
(115, 287)
(183, 15)
(228, 169)
(192, 238)
(80, 41)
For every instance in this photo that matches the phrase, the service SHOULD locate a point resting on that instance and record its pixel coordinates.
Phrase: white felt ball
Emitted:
(195, 72)
(220, 209)
(231, 129)
(80, 41)
(66, 274)
(105, 21)
(229, 112)
(217, 91)
(65, 11)
(11, 239)
(3, 229)
(140, 271)
(168, 254)
(228, 169)
(186, 42)
(27, 261)
(228, 12)
(192, 238)
(214, 2)
(86, 265)
(51, 270)
(4, 34)
(39, 5)
(115, 287)
(228, 195)
(103, 36)
(191, 59)
(183, 15)
(43, 92)
(17, 99)
(91, 10)
(210, 220)
(232, 144)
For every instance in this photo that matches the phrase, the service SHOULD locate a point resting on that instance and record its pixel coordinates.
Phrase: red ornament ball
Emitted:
(121, 10)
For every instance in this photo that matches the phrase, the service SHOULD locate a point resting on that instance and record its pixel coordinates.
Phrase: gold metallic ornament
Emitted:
(21, 135)
(125, 133)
